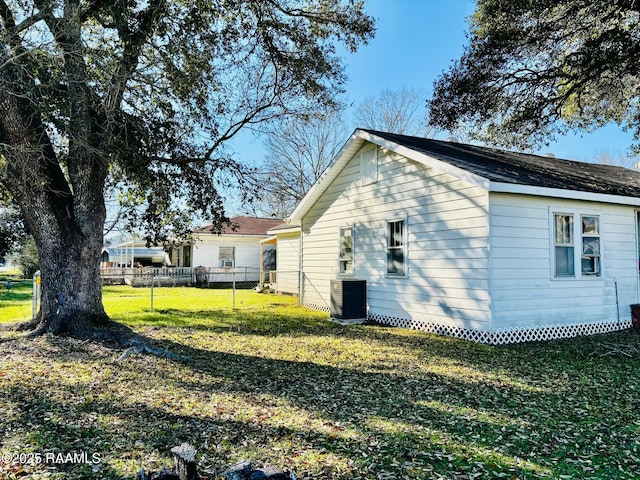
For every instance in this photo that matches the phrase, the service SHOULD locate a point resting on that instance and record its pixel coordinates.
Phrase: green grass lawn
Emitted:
(280, 384)
(15, 303)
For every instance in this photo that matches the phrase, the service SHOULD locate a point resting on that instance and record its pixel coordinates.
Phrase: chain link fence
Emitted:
(223, 278)
(231, 279)
(296, 283)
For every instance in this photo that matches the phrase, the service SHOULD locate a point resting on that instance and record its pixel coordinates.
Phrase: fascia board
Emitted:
(270, 239)
(292, 229)
(500, 187)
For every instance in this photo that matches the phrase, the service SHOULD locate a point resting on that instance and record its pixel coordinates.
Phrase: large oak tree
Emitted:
(533, 69)
(143, 95)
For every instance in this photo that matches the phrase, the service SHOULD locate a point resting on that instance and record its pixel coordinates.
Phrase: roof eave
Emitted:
(292, 229)
(232, 234)
(358, 138)
(500, 187)
(270, 239)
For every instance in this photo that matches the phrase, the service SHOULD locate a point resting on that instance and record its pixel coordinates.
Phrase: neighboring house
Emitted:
(237, 245)
(472, 242)
(134, 253)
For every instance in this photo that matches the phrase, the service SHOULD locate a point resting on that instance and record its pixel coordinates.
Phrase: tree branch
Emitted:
(12, 30)
(7, 16)
(133, 43)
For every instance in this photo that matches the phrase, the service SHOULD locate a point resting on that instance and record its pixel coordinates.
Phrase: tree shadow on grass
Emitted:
(352, 421)
(367, 421)
(551, 364)
(509, 426)
(512, 360)
(41, 434)
(253, 321)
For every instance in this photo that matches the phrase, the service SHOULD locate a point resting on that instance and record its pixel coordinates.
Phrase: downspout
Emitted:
(300, 272)
(615, 284)
(492, 337)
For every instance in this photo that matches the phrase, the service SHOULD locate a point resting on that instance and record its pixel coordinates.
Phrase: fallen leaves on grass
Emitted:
(284, 386)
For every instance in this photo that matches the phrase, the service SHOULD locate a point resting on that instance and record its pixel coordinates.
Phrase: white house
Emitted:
(236, 246)
(473, 242)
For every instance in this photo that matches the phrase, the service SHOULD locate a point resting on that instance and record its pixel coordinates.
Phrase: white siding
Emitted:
(288, 263)
(525, 293)
(448, 276)
(476, 262)
(247, 250)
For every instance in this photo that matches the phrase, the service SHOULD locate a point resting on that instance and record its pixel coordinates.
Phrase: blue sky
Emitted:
(416, 40)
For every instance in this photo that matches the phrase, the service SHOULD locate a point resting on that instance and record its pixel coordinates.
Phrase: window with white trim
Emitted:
(396, 248)
(590, 258)
(227, 256)
(564, 248)
(345, 257)
(585, 236)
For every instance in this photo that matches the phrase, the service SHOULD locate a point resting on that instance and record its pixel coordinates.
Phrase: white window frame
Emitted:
(343, 259)
(405, 247)
(368, 165)
(564, 245)
(223, 261)
(597, 257)
(577, 243)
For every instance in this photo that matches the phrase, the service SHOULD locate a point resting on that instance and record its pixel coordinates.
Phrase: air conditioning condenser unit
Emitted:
(349, 300)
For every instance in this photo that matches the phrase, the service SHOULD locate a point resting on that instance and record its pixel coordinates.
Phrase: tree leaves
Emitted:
(155, 90)
(536, 69)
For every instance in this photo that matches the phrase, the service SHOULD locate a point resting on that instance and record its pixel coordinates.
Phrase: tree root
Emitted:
(143, 347)
(28, 325)
(113, 333)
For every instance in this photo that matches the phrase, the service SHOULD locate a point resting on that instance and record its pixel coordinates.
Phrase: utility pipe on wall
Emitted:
(615, 284)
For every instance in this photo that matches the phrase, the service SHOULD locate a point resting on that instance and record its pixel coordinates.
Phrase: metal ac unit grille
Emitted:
(348, 299)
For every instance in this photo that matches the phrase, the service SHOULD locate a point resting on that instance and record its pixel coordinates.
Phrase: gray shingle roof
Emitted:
(525, 169)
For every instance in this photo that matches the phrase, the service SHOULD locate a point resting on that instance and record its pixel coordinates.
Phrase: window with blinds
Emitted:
(227, 256)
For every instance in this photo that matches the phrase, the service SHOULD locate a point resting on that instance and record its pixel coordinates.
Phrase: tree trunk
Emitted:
(63, 206)
(71, 285)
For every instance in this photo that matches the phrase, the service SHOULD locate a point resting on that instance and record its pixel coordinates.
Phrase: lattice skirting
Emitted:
(321, 307)
(498, 337)
(558, 331)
